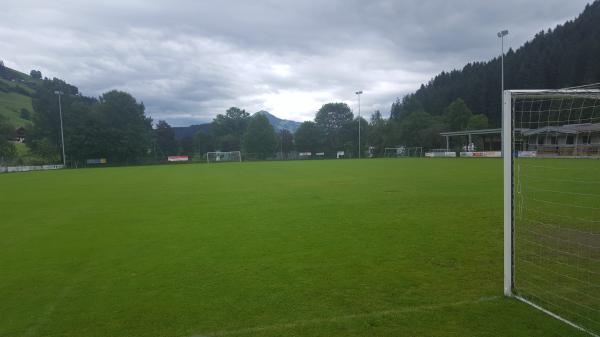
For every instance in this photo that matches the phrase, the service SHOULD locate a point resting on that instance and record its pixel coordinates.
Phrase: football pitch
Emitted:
(386, 247)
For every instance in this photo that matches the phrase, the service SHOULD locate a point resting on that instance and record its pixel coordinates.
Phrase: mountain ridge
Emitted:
(277, 123)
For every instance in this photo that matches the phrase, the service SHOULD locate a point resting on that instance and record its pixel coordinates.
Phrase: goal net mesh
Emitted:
(403, 151)
(219, 157)
(556, 203)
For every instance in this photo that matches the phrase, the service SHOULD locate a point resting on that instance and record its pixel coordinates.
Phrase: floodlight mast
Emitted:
(62, 136)
(501, 34)
(358, 93)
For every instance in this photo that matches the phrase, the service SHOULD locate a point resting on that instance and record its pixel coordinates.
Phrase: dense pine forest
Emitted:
(568, 55)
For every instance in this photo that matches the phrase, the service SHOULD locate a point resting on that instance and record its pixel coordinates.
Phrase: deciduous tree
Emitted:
(7, 130)
(165, 139)
(331, 118)
(458, 115)
(285, 141)
(260, 137)
(309, 137)
(229, 128)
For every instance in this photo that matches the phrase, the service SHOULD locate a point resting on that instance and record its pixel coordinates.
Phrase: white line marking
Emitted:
(300, 323)
(547, 312)
(44, 317)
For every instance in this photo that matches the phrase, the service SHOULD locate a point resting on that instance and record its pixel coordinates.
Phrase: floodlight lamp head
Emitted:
(503, 33)
(58, 92)
(359, 92)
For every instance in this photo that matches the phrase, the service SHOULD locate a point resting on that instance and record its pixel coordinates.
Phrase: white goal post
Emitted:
(220, 156)
(552, 202)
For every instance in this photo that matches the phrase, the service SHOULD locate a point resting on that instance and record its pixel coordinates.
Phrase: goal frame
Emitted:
(417, 149)
(508, 188)
(218, 152)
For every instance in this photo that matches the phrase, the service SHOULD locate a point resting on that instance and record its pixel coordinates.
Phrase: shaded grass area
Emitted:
(317, 248)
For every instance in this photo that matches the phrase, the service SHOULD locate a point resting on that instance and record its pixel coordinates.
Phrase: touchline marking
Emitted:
(44, 317)
(335, 319)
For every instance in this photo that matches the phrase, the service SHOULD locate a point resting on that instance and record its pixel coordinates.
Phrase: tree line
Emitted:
(114, 126)
(334, 128)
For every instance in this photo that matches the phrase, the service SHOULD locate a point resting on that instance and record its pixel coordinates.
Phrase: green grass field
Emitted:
(409, 247)
(12, 101)
(10, 107)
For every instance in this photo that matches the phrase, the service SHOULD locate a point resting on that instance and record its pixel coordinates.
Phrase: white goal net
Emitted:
(552, 203)
(221, 157)
(403, 151)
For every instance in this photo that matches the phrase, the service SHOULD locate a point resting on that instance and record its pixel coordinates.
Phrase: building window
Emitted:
(585, 139)
(570, 140)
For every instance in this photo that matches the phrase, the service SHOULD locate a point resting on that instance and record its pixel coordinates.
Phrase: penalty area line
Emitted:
(335, 319)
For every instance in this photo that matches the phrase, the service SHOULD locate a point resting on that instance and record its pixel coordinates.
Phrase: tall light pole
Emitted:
(501, 35)
(281, 143)
(62, 135)
(358, 93)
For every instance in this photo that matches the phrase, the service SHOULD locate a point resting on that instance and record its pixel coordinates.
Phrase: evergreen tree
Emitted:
(396, 109)
(377, 132)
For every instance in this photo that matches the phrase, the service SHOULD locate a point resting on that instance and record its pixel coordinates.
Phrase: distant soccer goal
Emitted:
(552, 203)
(220, 157)
(403, 151)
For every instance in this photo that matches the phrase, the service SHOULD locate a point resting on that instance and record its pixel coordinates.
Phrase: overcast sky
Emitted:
(189, 60)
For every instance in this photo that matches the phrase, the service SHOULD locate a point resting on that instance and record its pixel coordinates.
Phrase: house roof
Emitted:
(564, 129)
(472, 132)
(475, 132)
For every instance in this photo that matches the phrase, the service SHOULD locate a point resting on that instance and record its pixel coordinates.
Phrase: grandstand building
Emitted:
(571, 140)
(566, 140)
(484, 139)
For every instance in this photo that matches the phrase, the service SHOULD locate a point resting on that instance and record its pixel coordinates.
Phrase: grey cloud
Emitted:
(189, 60)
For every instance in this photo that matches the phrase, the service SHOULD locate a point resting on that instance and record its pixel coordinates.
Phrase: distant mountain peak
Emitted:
(278, 123)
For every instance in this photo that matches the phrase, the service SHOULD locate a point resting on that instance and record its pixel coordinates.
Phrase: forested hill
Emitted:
(568, 55)
(16, 90)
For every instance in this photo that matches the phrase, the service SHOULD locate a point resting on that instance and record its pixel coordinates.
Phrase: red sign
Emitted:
(177, 158)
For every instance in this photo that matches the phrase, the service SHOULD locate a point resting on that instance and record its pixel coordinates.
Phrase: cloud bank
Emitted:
(189, 60)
